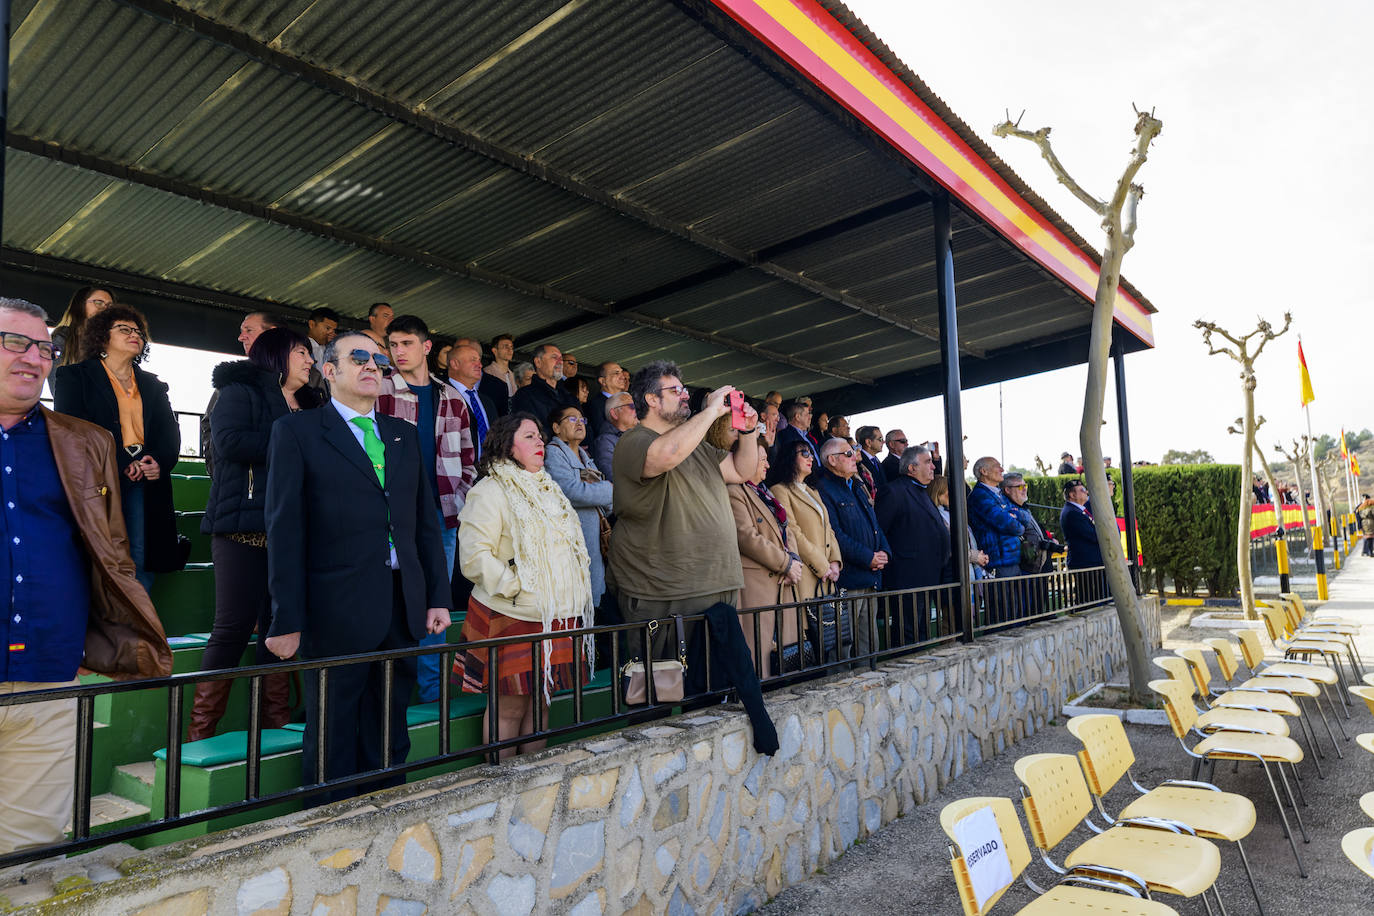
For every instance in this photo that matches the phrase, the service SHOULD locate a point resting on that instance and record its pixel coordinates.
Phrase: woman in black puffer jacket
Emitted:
(253, 393)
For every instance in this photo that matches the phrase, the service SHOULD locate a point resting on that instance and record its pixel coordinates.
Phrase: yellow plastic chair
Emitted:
(1107, 756)
(1082, 893)
(1266, 688)
(1170, 858)
(1269, 718)
(1301, 622)
(1367, 804)
(1318, 616)
(1236, 746)
(1336, 652)
(1366, 741)
(1252, 653)
(1365, 693)
(1295, 682)
(1358, 846)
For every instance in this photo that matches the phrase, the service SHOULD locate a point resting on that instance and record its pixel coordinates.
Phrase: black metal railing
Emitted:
(868, 628)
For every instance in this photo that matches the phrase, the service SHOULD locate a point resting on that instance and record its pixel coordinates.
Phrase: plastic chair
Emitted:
(1268, 715)
(1169, 857)
(1276, 626)
(1252, 653)
(1272, 680)
(1366, 741)
(1302, 622)
(1107, 756)
(1262, 690)
(1367, 804)
(1358, 846)
(1082, 893)
(1237, 746)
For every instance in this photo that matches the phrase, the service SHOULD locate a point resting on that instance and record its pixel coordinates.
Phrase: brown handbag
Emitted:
(669, 685)
(604, 524)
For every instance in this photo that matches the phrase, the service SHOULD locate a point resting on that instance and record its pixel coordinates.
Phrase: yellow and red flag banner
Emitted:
(1355, 464)
(1345, 452)
(1307, 395)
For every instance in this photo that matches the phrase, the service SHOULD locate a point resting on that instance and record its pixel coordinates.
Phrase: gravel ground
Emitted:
(904, 868)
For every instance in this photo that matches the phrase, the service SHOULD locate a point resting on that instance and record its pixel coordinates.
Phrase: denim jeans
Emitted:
(429, 673)
(131, 499)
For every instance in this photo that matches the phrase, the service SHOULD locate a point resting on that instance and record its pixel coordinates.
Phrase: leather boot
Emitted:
(276, 700)
(208, 708)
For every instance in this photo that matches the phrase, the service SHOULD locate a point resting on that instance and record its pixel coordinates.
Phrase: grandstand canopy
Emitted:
(743, 186)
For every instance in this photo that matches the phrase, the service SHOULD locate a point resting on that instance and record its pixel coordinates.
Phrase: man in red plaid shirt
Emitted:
(446, 446)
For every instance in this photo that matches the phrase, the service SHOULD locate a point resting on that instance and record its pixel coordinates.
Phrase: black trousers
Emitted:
(354, 713)
(242, 603)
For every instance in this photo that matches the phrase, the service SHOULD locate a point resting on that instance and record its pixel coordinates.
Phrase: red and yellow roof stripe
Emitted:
(829, 55)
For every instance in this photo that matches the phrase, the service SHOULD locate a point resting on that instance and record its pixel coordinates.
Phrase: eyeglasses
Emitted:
(361, 356)
(900, 441)
(20, 343)
(576, 421)
(677, 390)
(128, 330)
(848, 454)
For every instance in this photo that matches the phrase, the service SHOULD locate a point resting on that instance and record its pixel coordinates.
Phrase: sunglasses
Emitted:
(361, 356)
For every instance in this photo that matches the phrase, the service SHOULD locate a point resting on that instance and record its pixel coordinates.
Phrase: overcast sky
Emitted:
(1257, 197)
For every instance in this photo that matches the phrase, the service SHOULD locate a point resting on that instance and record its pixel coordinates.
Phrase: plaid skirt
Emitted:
(515, 662)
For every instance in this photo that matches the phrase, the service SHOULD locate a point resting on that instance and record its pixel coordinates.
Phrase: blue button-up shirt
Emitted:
(42, 562)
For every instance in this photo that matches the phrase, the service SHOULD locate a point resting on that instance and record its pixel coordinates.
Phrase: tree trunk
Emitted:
(1095, 473)
(1247, 497)
(1302, 500)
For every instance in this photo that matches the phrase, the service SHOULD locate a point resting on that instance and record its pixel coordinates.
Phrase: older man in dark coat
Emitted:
(918, 536)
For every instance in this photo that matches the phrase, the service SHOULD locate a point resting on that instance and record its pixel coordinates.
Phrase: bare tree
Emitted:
(1118, 215)
(1042, 467)
(1298, 456)
(1240, 352)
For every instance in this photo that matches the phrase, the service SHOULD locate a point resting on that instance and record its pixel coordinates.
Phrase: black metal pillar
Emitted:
(1127, 472)
(954, 418)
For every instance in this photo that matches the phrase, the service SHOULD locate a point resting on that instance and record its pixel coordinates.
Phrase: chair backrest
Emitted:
(1294, 600)
(1226, 657)
(1056, 798)
(1250, 648)
(1178, 703)
(1274, 623)
(1106, 754)
(1202, 672)
(1013, 841)
(1178, 668)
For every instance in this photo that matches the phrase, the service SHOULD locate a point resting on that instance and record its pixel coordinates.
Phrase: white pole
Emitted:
(1312, 466)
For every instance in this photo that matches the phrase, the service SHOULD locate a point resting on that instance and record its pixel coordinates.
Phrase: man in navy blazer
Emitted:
(1076, 521)
(355, 559)
(863, 546)
(798, 421)
(917, 534)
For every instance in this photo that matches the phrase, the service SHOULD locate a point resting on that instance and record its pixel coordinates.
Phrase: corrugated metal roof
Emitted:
(577, 156)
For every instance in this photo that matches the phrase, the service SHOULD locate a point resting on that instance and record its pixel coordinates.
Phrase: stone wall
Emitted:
(679, 816)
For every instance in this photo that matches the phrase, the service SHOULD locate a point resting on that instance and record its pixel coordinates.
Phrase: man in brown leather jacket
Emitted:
(70, 600)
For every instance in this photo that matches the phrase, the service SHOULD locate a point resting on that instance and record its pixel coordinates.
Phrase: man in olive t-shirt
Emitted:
(673, 548)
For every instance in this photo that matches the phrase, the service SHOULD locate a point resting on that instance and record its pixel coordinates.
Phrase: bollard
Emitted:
(1281, 554)
(1319, 554)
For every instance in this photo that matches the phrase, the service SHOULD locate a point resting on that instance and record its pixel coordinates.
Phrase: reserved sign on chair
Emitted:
(980, 840)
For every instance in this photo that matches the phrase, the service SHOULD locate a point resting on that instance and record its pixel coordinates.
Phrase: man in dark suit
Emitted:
(918, 537)
(896, 444)
(798, 415)
(1076, 522)
(356, 561)
(863, 546)
(543, 395)
(870, 439)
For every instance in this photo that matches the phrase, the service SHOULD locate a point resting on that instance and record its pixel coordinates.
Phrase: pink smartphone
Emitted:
(737, 419)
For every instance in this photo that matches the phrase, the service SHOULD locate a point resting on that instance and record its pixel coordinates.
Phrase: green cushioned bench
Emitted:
(233, 746)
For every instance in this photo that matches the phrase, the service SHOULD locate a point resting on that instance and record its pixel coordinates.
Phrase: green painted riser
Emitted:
(189, 467)
(185, 601)
(189, 494)
(224, 784)
(189, 526)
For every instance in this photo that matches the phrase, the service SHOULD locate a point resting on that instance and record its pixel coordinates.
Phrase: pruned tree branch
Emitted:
(1041, 138)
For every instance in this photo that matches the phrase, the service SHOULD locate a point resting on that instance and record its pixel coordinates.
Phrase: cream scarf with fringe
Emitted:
(550, 553)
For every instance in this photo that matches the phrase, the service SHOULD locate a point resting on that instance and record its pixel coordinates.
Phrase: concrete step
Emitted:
(110, 811)
(134, 781)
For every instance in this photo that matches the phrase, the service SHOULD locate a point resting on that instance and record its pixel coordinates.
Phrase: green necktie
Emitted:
(376, 452)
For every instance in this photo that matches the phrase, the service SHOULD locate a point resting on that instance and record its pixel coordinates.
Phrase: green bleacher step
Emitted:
(185, 600)
(190, 492)
(134, 781)
(109, 812)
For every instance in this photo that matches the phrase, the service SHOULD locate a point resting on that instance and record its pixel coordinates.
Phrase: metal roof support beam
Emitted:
(338, 85)
(1123, 423)
(598, 310)
(954, 417)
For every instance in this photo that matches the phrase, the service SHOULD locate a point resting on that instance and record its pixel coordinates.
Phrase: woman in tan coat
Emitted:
(807, 518)
(768, 554)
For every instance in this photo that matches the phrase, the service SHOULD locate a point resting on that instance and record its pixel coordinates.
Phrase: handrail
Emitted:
(895, 618)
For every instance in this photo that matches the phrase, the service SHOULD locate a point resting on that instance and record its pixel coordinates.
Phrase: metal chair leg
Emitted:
(1254, 889)
(1283, 817)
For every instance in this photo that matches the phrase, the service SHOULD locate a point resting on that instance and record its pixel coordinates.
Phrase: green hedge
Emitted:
(1187, 520)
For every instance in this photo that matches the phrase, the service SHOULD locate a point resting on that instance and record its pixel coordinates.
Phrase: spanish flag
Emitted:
(1355, 465)
(1345, 452)
(1307, 395)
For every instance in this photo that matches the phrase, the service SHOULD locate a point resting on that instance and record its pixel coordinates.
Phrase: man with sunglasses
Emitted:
(863, 545)
(356, 559)
(70, 595)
